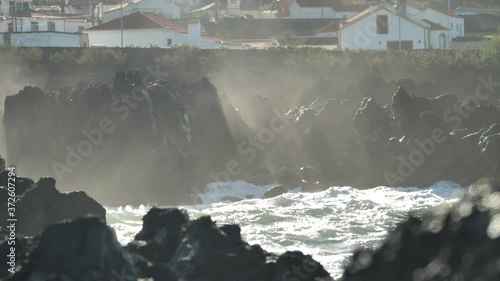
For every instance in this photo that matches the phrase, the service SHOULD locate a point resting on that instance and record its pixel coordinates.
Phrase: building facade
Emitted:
(142, 29)
(445, 18)
(163, 7)
(42, 39)
(323, 9)
(383, 27)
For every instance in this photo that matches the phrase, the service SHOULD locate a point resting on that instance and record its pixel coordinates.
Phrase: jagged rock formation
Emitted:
(157, 143)
(152, 141)
(170, 247)
(459, 244)
(41, 204)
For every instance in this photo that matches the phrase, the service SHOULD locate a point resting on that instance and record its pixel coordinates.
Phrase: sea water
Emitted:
(328, 225)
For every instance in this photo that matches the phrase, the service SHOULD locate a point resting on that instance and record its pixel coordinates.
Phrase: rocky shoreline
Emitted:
(132, 142)
(170, 246)
(457, 244)
(172, 139)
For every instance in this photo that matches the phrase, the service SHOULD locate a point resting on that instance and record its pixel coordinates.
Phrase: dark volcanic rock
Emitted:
(461, 244)
(210, 131)
(83, 249)
(275, 191)
(208, 253)
(287, 177)
(42, 204)
(430, 151)
(159, 235)
(408, 107)
(297, 266)
(489, 144)
(129, 134)
(373, 124)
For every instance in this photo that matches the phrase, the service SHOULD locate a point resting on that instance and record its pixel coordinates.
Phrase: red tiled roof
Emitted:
(434, 26)
(337, 5)
(142, 20)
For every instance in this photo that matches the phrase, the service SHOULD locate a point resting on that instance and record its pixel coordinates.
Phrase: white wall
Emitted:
(362, 34)
(235, 5)
(456, 25)
(435, 39)
(191, 3)
(298, 12)
(4, 25)
(412, 11)
(163, 7)
(61, 25)
(45, 39)
(143, 38)
(4, 9)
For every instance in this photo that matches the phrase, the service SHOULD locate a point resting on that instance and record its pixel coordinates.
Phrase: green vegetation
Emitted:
(185, 60)
(287, 38)
(101, 56)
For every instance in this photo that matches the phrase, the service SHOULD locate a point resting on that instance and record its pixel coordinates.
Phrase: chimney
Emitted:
(402, 8)
(372, 5)
(194, 32)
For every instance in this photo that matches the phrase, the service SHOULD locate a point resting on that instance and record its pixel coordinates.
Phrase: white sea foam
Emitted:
(329, 225)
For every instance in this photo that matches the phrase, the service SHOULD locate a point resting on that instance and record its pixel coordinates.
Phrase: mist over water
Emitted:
(214, 146)
(329, 225)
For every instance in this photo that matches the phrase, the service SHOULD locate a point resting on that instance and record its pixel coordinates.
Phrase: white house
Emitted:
(193, 4)
(445, 18)
(143, 29)
(163, 7)
(42, 39)
(29, 21)
(383, 27)
(9, 8)
(324, 9)
(6, 6)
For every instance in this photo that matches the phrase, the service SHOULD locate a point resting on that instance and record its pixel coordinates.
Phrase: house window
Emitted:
(51, 26)
(11, 27)
(169, 41)
(233, 2)
(34, 26)
(12, 6)
(344, 16)
(451, 26)
(382, 24)
(80, 28)
(442, 41)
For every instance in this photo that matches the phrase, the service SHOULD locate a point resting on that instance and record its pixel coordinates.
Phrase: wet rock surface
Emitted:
(161, 143)
(41, 204)
(458, 244)
(169, 247)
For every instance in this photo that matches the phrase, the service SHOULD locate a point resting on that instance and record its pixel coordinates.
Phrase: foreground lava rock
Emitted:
(83, 249)
(41, 204)
(460, 244)
(200, 250)
(170, 247)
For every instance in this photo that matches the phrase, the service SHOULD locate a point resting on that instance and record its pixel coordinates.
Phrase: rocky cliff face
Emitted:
(159, 143)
